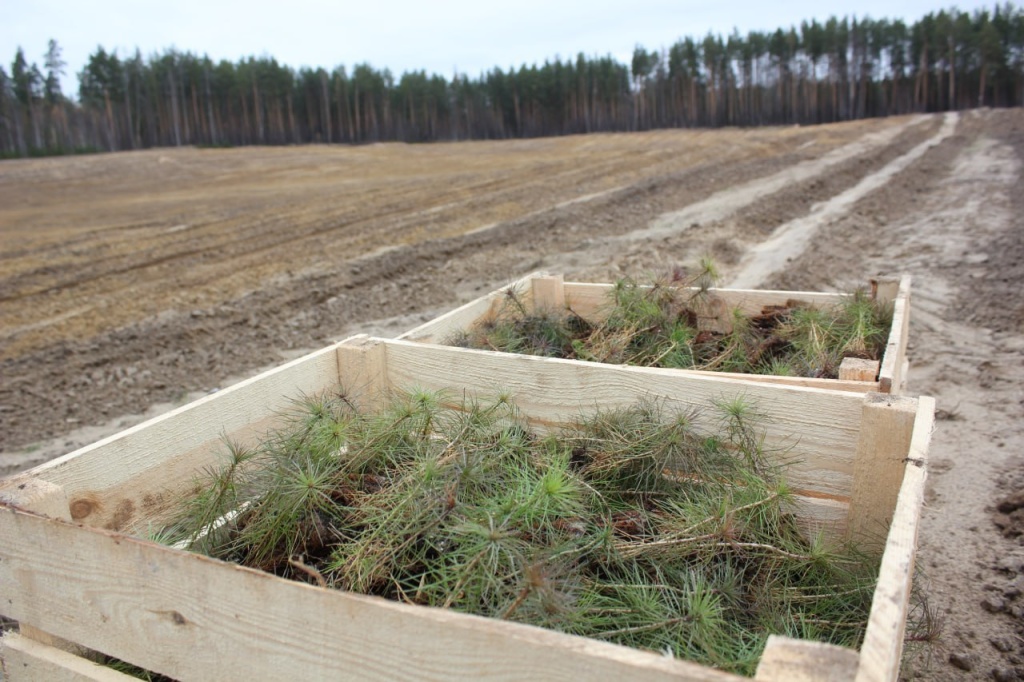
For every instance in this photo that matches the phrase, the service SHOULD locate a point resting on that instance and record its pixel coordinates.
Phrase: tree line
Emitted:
(838, 70)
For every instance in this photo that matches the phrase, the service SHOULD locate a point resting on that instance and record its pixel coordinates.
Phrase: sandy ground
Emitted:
(131, 283)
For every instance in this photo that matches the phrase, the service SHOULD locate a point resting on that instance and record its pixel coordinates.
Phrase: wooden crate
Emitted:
(589, 301)
(75, 577)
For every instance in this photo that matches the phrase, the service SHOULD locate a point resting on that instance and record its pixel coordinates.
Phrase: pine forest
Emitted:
(839, 70)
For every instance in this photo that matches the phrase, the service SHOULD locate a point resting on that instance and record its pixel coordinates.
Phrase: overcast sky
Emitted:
(468, 36)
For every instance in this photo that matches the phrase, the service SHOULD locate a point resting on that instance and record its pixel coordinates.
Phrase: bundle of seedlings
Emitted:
(677, 323)
(631, 526)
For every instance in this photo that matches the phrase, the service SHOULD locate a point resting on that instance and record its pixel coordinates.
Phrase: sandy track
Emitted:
(939, 198)
(789, 241)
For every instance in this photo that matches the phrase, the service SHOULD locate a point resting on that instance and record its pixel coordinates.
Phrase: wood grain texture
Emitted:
(887, 427)
(441, 328)
(39, 496)
(26, 660)
(890, 376)
(192, 617)
(795, 660)
(815, 430)
(882, 650)
(858, 369)
(548, 292)
(138, 473)
(591, 300)
(42, 497)
(362, 371)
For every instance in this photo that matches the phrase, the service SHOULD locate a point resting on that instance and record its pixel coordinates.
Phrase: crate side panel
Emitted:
(815, 431)
(589, 300)
(892, 374)
(135, 475)
(26, 660)
(191, 617)
(441, 328)
(881, 653)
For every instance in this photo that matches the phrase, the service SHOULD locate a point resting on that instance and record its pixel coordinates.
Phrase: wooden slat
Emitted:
(548, 292)
(137, 474)
(886, 430)
(26, 660)
(816, 429)
(817, 517)
(39, 496)
(42, 497)
(858, 369)
(192, 617)
(441, 328)
(362, 372)
(890, 376)
(805, 382)
(588, 300)
(796, 660)
(882, 650)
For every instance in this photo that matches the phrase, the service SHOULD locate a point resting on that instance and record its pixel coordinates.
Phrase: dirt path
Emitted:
(940, 198)
(954, 221)
(789, 241)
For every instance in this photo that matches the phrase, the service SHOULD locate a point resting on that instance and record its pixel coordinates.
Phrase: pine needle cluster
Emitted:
(631, 526)
(674, 324)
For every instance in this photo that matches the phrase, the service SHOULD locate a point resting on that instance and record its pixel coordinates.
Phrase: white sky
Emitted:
(471, 36)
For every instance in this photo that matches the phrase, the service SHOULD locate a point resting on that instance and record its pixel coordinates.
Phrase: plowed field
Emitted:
(132, 282)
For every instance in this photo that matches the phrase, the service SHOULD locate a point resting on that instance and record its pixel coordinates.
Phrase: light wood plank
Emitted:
(591, 300)
(886, 430)
(39, 496)
(26, 660)
(795, 660)
(548, 292)
(858, 369)
(137, 474)
(885, 289)
(42, 497)
(805, 382)
(815, 429)
(192, 617)
(462, 318)
(818, 517)
(890, 376)
(882, 650)
(362, 371)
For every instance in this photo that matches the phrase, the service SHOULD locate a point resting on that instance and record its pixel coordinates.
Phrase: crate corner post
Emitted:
(796, 660)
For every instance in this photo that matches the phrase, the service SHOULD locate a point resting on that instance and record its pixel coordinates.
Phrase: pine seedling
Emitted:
(633, 526)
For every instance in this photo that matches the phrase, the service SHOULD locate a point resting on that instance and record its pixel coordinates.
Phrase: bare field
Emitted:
(131, 282)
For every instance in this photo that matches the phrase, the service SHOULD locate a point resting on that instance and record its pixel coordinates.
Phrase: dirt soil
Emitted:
(133, 282)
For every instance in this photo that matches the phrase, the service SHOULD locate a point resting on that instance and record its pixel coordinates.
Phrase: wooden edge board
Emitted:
(881, 652)
(814, 429)
(890, 375)
(796, 660)
(588, 299)
(139, 471)
(464, 316)
(192, 617)
(886, 432)
(26, 660)
(805, 382)
(822, 517)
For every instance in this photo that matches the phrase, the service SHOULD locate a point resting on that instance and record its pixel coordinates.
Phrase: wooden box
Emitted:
(589, 301)
(77, 579)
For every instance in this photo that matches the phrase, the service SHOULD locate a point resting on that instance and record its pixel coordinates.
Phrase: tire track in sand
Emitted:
(722, 204)
(790, 239)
